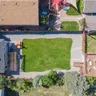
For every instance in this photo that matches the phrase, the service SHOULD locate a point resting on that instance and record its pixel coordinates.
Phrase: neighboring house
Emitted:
(90, 23)
(90, 11)
(89, 6)
(19, 12)
(3, 56)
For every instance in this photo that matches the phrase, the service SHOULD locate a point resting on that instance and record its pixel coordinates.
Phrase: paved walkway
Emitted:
(76, 50)
(73, 2)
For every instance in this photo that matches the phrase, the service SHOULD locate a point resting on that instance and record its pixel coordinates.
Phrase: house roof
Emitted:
(55, 2)
(2, 56)
(19, 12)
(89, 6)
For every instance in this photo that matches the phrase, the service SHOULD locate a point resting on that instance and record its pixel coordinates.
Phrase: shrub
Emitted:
(27, 85)
(43, 19)
(51, 29)
(52, 79)
(46, 81)
(2, 81)
(92, 89)
(53, 76)
(91, 80)
(20, 85)
(36, 81)
(11, 84)
(60, 82)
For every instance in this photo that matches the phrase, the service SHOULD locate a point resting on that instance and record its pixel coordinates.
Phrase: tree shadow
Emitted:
(24, 62)
(10, 92)
(92, 37)
(23, 46)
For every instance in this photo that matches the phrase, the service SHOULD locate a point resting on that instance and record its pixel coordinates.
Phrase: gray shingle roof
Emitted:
(90, 6)
(91, 22)
(2, 56)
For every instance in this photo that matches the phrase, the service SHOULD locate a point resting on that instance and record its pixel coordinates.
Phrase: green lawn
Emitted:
(69, 26)
(91, 44)
(45, 54)
(72, 11)
(80, 5)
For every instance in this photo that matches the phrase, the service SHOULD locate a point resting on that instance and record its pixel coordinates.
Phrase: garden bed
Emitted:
(46, 54)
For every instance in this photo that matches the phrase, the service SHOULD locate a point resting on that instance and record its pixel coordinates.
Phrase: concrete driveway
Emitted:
(76, 50)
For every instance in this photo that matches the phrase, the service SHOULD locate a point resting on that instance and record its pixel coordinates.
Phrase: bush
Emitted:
(43, 19)
(36, 81)
(27, 85)
(46, 81)
(51, 29)
(11, 84)
(52, 79)
(60, 82)
(2, 81)
(53, 76)
(92, 89)
(20, 85)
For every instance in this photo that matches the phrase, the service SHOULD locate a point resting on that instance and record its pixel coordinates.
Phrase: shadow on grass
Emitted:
(92, 37)
(86, 43)
(9, 92)
(24, 62)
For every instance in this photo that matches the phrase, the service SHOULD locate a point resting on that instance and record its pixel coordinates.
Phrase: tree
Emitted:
(75, 83)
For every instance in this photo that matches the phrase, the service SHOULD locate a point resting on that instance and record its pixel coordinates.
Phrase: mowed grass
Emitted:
(46, 54)
(91, 44)
(69, 26)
